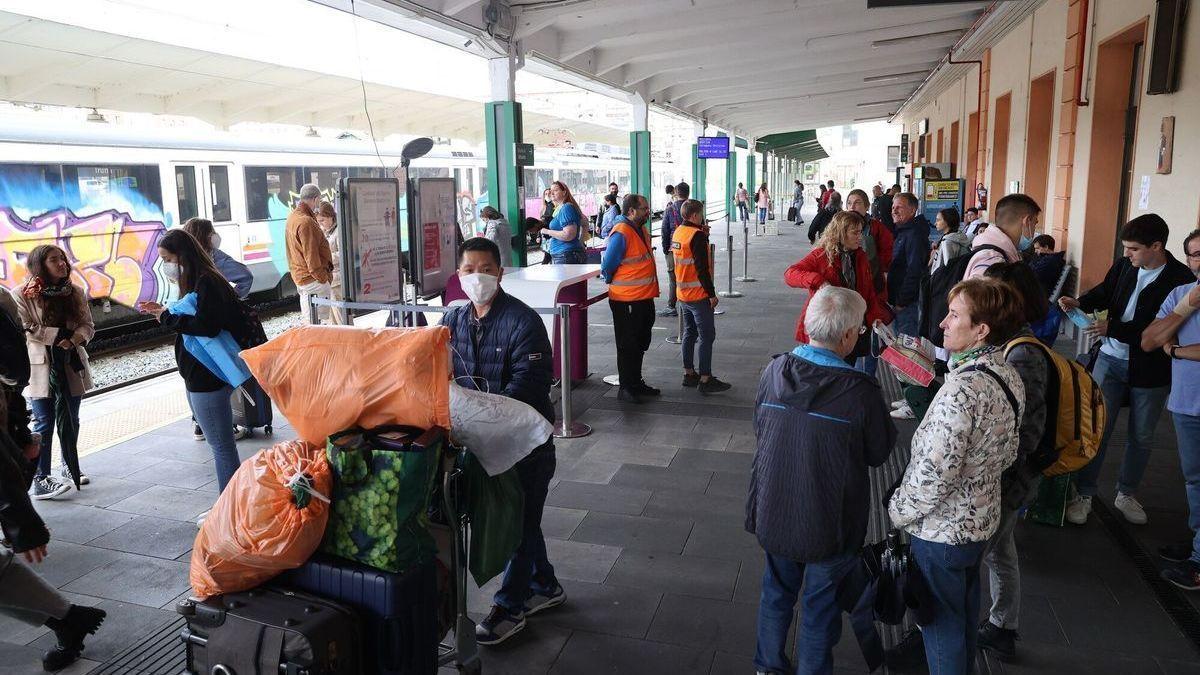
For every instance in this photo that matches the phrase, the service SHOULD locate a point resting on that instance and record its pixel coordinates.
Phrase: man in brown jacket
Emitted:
(309, 258)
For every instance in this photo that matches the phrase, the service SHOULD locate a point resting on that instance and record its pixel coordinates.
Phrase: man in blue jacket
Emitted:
(819, 424)
(910, 257)
(501, 347)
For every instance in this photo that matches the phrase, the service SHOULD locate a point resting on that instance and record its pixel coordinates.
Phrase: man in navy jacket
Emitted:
(910, 257)
(501, 346)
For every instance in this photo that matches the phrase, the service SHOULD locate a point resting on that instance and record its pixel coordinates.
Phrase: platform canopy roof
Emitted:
(801, 146)
(55, 62)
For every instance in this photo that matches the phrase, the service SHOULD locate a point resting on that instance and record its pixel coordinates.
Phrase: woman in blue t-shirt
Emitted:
(566, 228)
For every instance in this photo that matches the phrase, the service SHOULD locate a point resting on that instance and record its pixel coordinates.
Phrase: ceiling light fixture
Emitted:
(891, 42)
(95, 116)
(895, 76)
(312, 133)
(872, 104)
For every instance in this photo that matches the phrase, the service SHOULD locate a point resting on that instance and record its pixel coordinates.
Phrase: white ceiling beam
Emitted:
(456, 7)
(863, 93)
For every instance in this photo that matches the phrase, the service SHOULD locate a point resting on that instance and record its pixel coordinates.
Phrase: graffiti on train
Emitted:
(112, 255)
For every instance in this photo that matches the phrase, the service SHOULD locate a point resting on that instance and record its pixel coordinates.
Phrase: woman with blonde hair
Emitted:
(566, 228)
(838, 260)
(58, 323)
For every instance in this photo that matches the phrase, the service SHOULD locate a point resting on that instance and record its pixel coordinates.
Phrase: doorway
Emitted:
(1003, 109)
(1037, 138)
(1116, 96)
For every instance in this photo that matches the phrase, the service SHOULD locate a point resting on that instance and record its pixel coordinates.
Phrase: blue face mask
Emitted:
(1025, 243)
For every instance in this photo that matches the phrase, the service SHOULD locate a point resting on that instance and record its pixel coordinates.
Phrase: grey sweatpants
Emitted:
(25, 595)
(1004, 572)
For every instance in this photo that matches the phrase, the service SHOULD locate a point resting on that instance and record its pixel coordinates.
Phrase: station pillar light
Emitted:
(507, 153)
(639, 148)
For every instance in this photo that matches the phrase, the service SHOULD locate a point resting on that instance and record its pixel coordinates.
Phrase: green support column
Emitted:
(505, 178)
(730, 186)
(699, 176)
(639, 164)
(751, 184)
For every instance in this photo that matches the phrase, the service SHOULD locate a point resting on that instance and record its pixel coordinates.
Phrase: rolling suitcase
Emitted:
(791, 214)
(267, 630)
(253, 412)
(399, 612)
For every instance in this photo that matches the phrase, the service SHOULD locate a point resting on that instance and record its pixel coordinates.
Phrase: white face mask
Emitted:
(171, 270)
(480, 288)
(216, 240)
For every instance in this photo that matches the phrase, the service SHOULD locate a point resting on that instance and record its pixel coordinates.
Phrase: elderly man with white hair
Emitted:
(820, 424)
(309, 258)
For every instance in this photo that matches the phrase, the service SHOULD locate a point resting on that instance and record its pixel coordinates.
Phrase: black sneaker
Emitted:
(499, 626)
(66, 475)
(1002, 641)
(1185, 575)
(714, 386)
(1176, 553)
(628, 396)
(691, 380)
(48, 487)
(542, 600)
(71, 631)
(644, 389)
(197, 432)
(908, 653)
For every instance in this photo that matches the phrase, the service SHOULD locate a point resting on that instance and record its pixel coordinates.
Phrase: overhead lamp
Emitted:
(312, 133)
(872, 104)
(872, 119)
(892, 42)
(95, 116)
(894, 76)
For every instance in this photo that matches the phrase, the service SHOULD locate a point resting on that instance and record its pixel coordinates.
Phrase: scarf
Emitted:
(971, 354)
(849, 278)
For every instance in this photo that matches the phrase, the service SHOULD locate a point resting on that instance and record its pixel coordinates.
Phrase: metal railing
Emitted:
(567, 427)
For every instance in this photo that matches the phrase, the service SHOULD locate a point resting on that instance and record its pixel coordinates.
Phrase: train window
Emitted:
(270, 191)
(31, 189)
(326, 179)
(185, 192)
(218, 187)
(429, 172)
(483, 178)
(368, 172)
(537, 181)
(133, 188)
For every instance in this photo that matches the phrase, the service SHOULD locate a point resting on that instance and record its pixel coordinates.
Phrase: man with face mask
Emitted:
(1016, 221)
(628, 269)
(309, 258)
(501, 346)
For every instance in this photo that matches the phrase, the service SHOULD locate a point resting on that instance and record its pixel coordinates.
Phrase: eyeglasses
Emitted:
(862, 329)
(1195, 254)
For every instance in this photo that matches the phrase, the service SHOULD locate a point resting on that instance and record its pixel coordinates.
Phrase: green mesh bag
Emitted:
(382, 482)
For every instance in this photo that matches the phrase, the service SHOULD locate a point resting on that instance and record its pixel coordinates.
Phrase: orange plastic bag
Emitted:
(262, 524)
(327, 379)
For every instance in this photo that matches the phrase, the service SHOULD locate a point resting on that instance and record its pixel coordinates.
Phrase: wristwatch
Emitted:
(1172, 351)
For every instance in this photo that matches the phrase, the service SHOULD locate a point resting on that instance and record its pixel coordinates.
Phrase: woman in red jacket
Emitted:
(838, 259)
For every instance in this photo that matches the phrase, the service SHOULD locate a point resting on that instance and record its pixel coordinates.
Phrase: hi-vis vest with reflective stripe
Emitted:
(687, 279)
(637, 277)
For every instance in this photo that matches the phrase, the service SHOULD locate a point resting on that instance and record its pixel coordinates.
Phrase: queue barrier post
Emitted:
(729, 292)
(567, 427)
(746, 278)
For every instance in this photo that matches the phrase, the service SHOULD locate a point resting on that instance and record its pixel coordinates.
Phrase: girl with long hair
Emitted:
(327, 219)
(566, 228)
(763, 199)
(58, 323)
(217, 309)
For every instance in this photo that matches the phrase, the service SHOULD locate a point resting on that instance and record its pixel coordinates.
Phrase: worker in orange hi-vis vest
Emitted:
(632, 277)
(697, 297)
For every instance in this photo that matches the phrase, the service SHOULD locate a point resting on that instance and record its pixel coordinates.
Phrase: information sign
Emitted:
(712, 147)
(371, 239)
(435, 241)
(525, 154)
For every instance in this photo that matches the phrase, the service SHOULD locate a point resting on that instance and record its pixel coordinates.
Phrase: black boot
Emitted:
(71, 630)
(628, 395)
(1002, 641)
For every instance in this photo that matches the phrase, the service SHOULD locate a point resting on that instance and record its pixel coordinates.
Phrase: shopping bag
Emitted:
(912, 358)
(495, 506)
(382, 482)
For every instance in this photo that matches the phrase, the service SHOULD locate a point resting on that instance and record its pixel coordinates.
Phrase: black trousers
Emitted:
(632, 322)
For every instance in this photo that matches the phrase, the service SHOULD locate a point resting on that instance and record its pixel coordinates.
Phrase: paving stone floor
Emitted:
(643, 524)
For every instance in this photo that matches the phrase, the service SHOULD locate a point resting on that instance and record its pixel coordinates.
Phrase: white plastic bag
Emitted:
(500, 431)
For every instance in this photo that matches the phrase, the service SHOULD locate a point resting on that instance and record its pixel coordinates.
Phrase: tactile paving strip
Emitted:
(100, 432)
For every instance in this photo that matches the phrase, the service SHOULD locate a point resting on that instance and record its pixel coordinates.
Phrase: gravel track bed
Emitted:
(110, 370)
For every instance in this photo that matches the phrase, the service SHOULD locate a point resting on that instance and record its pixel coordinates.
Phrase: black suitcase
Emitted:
(399, 612)
(254, 413)
(791, 214)
(269, 631)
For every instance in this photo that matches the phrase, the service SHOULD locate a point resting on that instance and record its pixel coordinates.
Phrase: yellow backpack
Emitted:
(1075, 414)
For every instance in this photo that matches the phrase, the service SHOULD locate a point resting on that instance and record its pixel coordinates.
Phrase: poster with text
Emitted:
(377, 244)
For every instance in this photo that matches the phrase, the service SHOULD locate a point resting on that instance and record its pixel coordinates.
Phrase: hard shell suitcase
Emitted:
(399, 612)
(267, 631)
(791, 214)
(255, 412)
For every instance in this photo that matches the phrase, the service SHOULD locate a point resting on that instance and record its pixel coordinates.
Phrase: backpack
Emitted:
(1075, 406)
(933, 301)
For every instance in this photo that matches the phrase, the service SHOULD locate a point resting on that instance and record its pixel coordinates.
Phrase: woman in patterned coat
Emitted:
(949, 498)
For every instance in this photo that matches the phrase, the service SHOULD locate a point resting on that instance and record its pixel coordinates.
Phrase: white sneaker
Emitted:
(1078, 510)
(1130, 508)
(896, 405)
(904, 412)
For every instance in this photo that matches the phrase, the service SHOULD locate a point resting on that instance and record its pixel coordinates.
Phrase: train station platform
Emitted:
(643, 524)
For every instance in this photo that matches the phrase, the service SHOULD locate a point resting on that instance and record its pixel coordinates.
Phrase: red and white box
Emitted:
(910, 357)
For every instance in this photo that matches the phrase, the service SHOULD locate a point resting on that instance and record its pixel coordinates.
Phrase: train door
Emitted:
(204, 190)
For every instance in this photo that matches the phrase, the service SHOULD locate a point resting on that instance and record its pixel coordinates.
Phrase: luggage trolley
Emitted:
(463, 651)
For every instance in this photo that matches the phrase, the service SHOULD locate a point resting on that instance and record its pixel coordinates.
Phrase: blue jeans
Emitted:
(1145, 409)
(743, 211)
(906, 320)
(820, 618)
(1187, 431)
(43, 423)
(698, 323)
(214, 414)
(762, 215)
(573, 256)
(529, 569)
(951, 574)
